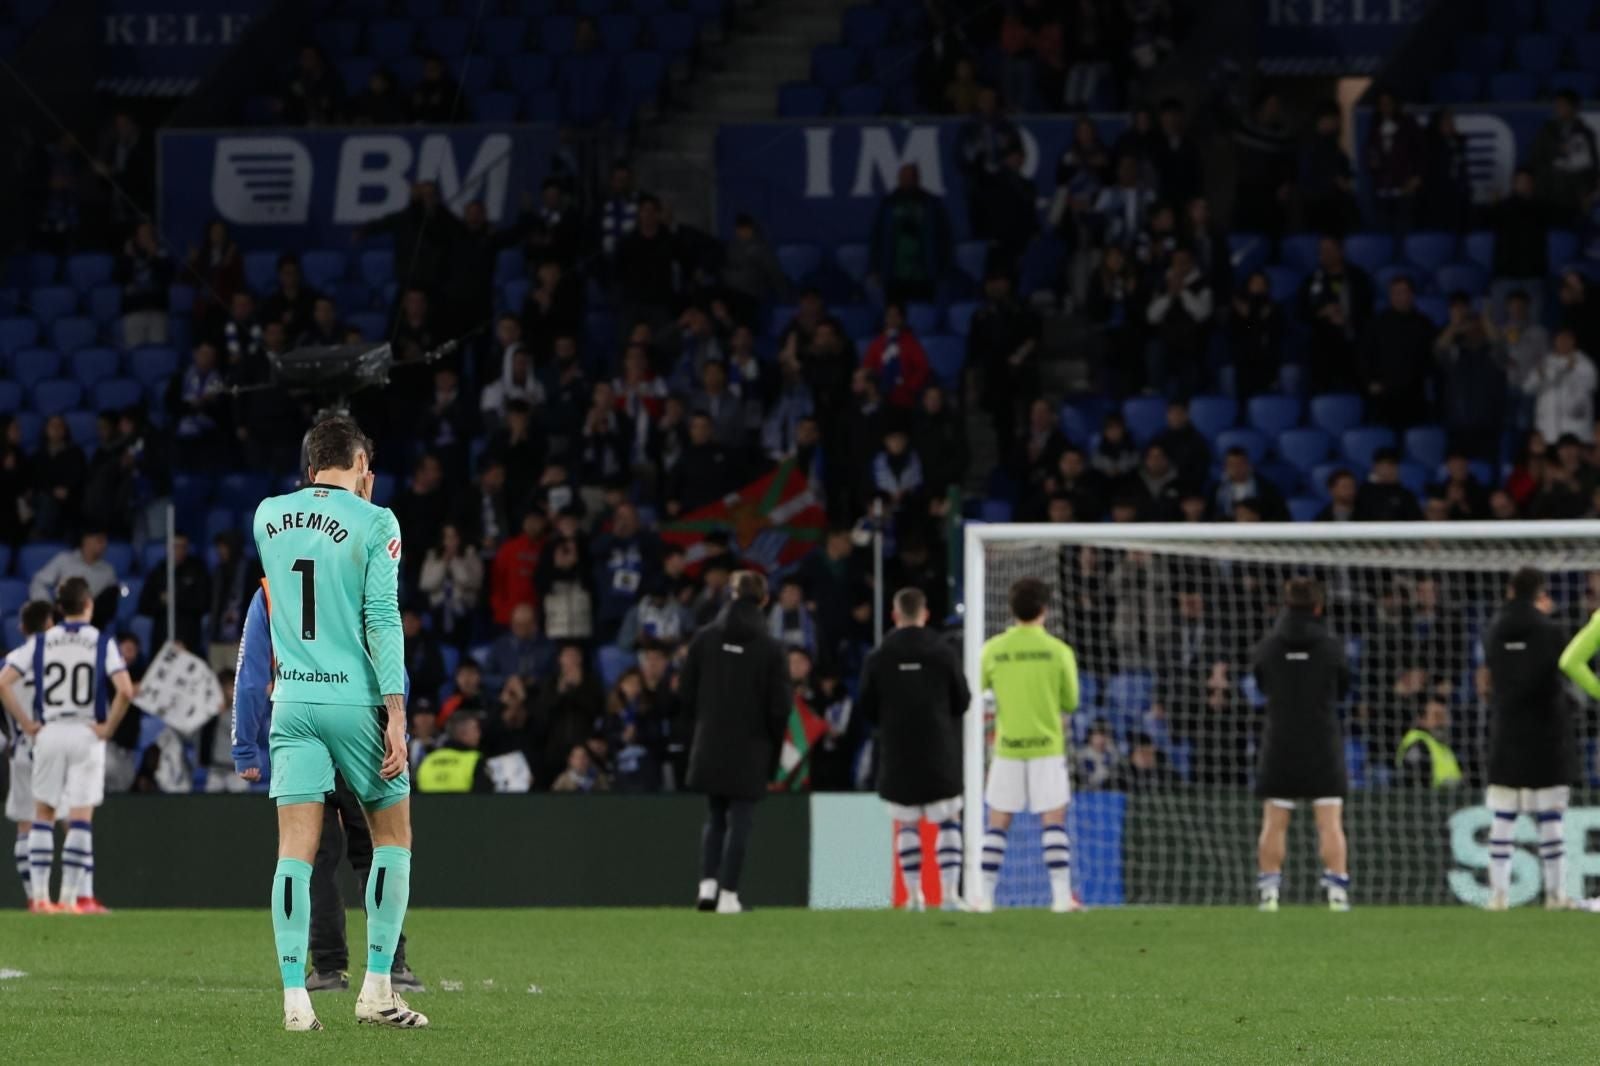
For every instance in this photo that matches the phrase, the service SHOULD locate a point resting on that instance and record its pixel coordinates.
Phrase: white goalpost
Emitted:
(1162, 749)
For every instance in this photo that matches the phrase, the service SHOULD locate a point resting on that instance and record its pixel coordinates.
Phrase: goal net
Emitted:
(1162, 750)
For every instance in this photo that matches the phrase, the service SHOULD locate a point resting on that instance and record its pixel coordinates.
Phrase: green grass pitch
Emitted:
(1378, 985)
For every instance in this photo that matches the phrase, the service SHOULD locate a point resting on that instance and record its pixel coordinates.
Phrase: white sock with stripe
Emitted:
(908, 843)
(41, 853)
(950, 858)
(77, 854)
(1500, 850)
(1553, 855)
(20, 851)
(1058, 860)
(994, 855)
(1268, 884)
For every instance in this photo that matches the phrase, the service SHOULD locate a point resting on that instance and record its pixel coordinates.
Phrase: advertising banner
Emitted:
(164, 47)
(1329, 37)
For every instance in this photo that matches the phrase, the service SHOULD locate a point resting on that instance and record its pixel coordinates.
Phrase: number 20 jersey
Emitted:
(68, 669)
(332, 563)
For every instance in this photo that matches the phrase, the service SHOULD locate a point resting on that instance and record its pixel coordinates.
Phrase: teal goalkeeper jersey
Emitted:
(332, 564)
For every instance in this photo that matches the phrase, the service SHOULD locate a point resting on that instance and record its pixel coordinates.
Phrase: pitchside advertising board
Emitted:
(312, 188)
(820, 183)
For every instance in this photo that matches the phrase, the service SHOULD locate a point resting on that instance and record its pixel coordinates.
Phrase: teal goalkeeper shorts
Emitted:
(309, 741)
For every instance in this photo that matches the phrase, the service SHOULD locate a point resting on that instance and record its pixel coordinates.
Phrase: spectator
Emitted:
(567, 711)
(1396, 359)
(1343, 492)
(554, 233)
(1081, 172)
(1179, 314)
(1013, 209)
(515, 379)
(705, 473)
(1255, 337)
(625, 558)
(896, 470)
(1446, 180)
(125, 164)
(1472, 380)
(1153, 248)
(198, 402)
(563, 590)
(1524, 345)
(516, 653)
(633, 735)
(1579, 310)
(469, 697)
(421, 509)
(293, 302)
(1327, 180)
(1394, 156)
(1465, 497)
(1097, 758)
(1179, 168)
(16, 483)
(516, 562)
(422, 722)
(426, 228)
(1565, 160)
(1424, 758)
(144, 270)
(1000, 343)
(939, 439)
(1521, 224)
(86, 561)
(1155, 486)
(646, 267)
(1336, 302)
(437, 99)
(1125, 207)
(1264, 155)
(1114, 453)
(484, 508)
(1241, 482)
(897, 360)
(1208, 243)
(452, 579)
(193, 586)
(1145, 770)
(1185, 445)
(515, 444)
(458, 764)
(789, 619)
(379, 104)
(750, 270)
(59, 470)
(910, 239)
(1383, 498)
(424, 659)
(580, 774)
(722, 405)
(234, 582)
(240, 338)
(985, 141)
(1114, 302)
(619, 211)
(606, 441)
(218, 269)
(1562, 386)
(315, 94)
(655, 617)
(586, 80)
(324, 329)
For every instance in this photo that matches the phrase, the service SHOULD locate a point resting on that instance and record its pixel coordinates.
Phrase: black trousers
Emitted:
(724, 840)
(344, 831)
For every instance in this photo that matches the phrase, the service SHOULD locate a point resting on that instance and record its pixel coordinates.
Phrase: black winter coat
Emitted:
(735, 688)
(1531, 742)
(913, 690)
(1301, 669)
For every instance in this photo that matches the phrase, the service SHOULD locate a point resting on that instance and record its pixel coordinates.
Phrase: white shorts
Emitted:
(1324, 801)
(1531, 800)
(69, 766)
(943, 811)
(19, 795)
(1036, 785)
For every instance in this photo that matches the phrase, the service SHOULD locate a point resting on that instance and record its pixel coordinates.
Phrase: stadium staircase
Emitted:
(765, 46)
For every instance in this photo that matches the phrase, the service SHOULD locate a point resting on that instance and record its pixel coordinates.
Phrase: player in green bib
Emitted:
(1033, 679)
(331, 560)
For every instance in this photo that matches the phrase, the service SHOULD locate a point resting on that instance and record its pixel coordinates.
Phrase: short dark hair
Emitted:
(1527, 583)
(1028, 598)
(36, 617)
(333, 443)
(749, 586)
(909, 602)
(73, 596)
(1302, 593)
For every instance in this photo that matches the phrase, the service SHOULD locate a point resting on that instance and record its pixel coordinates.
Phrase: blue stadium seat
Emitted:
(1383, 277)
(1536, 53)
(153, 555)
(1414, 477)
(1213, 414)
(1336, 411)
(860, 101)
(242, 491)
(924, 318)
(557, 33)
(10, 397)
(1146, 417)
(1426, 445)
(1463, 277)
(33, 365)
(959, 317)
(119, 553)
(1247, 253)
(92, 364)
(995, 511)
(674, 32)
(1581, 82)
(83, 426)
(1317, 480)
(1299, 250)
(261, 271)
(14, 591)
(143, 630)
(1478, 247)
(447, 35)
(1076, 426)
(593, 8)
(87, 269)
(1480, 53)
(854, 260)
(866, 26)
(1284, 282)
(1512, 86)
(1456, 87)
(150, 364)
(18, 333)
(1304, 508)
(383, 489)
(510, 265)
(833, 66)
(496, 107)
(1130, 694)
(55, 396)
(1586, 51)
(105, 303)
(337, 37)
(1272, 413)
(1436, 307)
(513, 293)
(390, 39)
(1567, 17)
(1562, 247)
(946, 356)
(801, 99)
(1507, 17)
(613, 663)
(114, 394)
(1369, 251)
(1360, 444)
(798, 261)
(503, 35)
(894, 64)
(619, 31)
(972, 258)
(356, 72)
(32, 427)
(32, 557)
(377, 267)
(128, 602)
(72, 333)
(50, 302)
(36, 268)
(1305, 447)
(706, 10)
(219, 520)
(373, 325)
(1253, 441)
(1430, 250)
(324, 267)
(1040, 268)
(527, 73)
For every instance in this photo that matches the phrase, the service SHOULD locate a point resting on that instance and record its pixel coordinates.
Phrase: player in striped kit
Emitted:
(35, 618)
(81, 690)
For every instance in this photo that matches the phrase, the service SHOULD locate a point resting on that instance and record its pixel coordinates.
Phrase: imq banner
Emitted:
(313, 187)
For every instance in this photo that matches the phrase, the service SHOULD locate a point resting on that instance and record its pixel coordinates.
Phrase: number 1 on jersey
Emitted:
(307, 569)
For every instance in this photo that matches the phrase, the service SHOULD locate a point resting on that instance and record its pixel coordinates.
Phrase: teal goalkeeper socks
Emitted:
(291, 919)
(388, 893)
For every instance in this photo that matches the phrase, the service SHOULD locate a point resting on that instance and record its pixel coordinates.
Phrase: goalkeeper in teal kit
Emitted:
(331, 561)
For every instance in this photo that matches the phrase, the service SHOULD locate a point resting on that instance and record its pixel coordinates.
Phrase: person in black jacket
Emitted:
(913, 691)
(1533, 755)
(1300, 667)
(735, 691)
